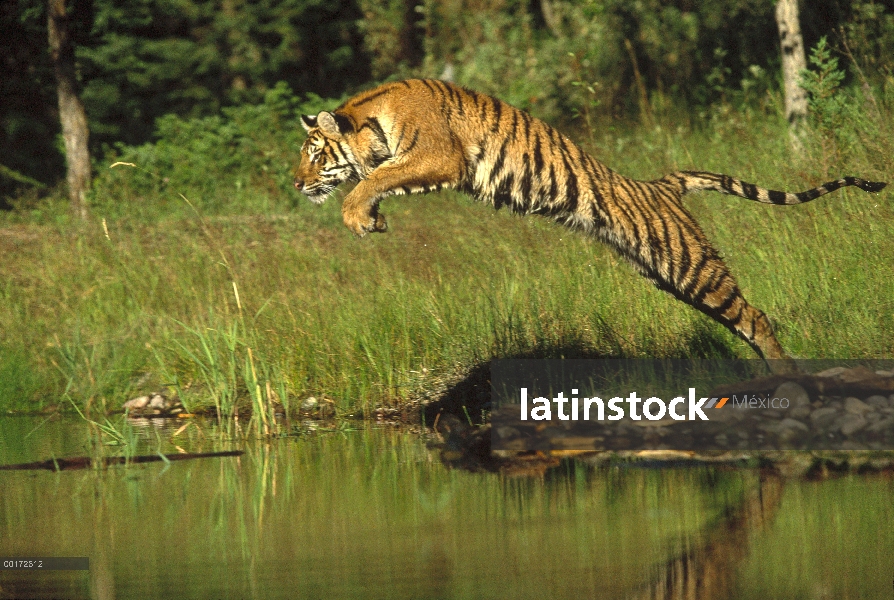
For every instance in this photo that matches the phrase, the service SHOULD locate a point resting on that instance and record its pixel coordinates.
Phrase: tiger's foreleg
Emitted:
(408, 175)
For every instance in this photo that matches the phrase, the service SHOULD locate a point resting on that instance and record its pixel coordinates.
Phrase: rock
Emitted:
(833, 372)
(852, 423)
(796, 395)
(884, 424)
(823, 417)
(310, 403)
(857, 374)
(795, 464)
(801, 412)
(793, 424)
(856, 406)
(159, 402)
(879, 401)
(791, 429)
(507, 432)
(137, 403)
(885, 373)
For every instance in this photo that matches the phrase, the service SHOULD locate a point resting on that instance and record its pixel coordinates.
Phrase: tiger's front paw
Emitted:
(362, 223)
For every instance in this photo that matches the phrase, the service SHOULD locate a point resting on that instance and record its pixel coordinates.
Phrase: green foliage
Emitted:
(845, 121)
(238, 160)
(148, 58)
(828, 103)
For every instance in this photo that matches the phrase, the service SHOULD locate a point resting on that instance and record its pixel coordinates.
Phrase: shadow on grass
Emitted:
(468, 399)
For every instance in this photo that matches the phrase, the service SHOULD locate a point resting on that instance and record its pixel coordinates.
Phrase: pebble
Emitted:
(823, 417)
(796, 395)
(856, 406)
(877, 400)
(834, 371)
(310, 403)
(158, 402)
(852, 423)
(882, 424)
(136, 403)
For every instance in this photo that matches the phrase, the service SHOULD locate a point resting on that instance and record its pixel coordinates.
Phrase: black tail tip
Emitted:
(871, 186)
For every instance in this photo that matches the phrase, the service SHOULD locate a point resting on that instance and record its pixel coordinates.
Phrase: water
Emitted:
(374, 513)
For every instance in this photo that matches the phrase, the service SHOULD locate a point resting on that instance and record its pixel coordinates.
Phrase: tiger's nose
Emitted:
(299, 185)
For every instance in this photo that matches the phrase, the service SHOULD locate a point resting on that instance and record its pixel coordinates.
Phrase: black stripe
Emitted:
(503, 193)
(538, 155)
(727, 303)
(571, 193)
(412, 142)
(427, 84)
(750, 190)
(553, 187)
(497, 111)
(526, 121)
(624, 184)
(693, 276)
(498, 165)
(684, 260)
(525, 190)
(371, 97)
(738, 318)
(712, 284)
(373, 124)
(777, 197)
(666, 251)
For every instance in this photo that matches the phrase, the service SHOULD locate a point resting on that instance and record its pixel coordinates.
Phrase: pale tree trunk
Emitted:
(71, 112)
(793, 62)
(550, 17)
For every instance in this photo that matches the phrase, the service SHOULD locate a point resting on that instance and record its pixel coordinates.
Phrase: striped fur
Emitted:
(426, 135)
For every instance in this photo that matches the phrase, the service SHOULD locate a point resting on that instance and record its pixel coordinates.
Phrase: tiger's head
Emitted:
(326, 158)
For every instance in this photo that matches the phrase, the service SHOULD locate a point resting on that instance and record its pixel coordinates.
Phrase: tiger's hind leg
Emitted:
(713, 291)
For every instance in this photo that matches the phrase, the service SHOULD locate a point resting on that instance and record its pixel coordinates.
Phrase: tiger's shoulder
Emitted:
(411, 95)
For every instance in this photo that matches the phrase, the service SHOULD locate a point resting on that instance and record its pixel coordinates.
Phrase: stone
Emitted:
(885, 373)
(852, 423)
(793, 424)
(137, 403)
(158, 402)
(507, 432)
(884, 424)
(856, 406)
(833, 372)
(801, 412)
(796, 395)
(823, 417)
(860, 373)
(310, 403)
(879, 401)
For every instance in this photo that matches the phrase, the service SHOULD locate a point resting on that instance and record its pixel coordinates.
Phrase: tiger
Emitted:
(426, 135)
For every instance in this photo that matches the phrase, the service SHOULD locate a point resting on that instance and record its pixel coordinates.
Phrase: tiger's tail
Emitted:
(691, 181)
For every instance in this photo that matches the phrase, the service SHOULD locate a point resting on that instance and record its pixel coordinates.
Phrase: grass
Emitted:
(265, 308)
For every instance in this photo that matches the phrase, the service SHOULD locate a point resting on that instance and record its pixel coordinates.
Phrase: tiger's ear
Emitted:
(308, 122)
(334, 124)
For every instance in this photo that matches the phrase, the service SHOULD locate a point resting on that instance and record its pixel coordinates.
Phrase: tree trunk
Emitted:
(793, 62)
(553, 21)
(71, 111)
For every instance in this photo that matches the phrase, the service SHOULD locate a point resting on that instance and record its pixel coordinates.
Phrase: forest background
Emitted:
(203, 97)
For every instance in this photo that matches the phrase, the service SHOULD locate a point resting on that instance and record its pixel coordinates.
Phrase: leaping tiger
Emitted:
(423, 135)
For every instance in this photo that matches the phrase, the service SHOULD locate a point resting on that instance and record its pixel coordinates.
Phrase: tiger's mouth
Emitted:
(318, 194)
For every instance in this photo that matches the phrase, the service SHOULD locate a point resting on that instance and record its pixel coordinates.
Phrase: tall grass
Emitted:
(240, 303)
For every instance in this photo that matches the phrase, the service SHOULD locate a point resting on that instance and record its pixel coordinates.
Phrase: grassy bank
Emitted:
(247, 294)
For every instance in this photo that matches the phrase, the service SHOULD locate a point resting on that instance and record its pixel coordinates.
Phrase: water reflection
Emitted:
(376, 514)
